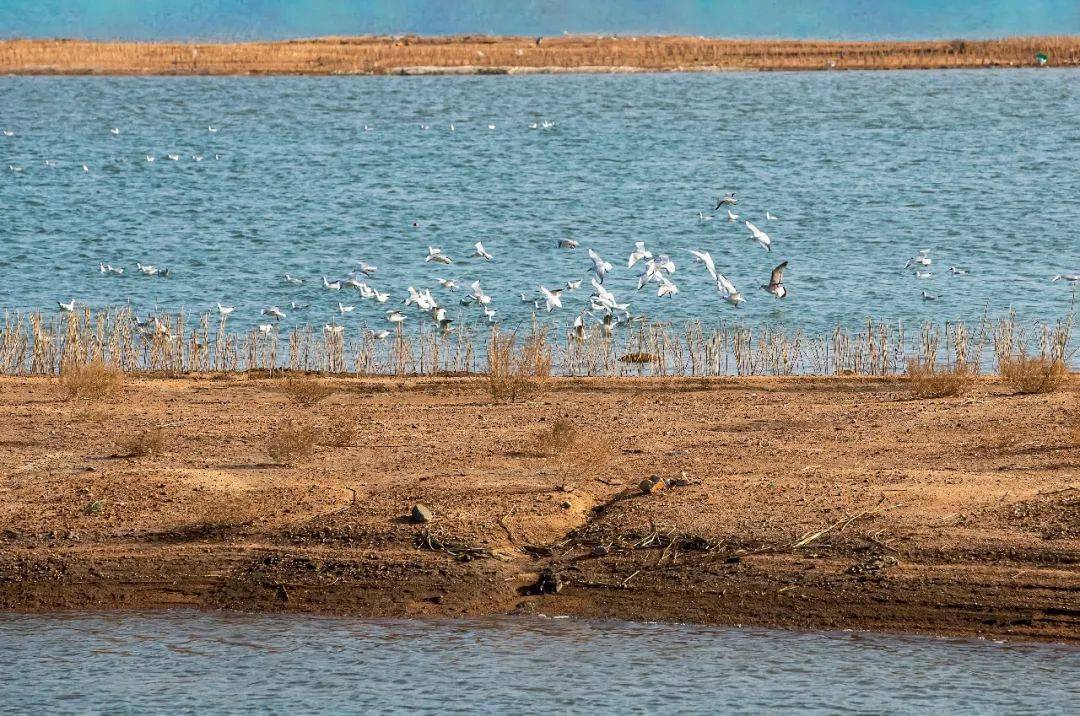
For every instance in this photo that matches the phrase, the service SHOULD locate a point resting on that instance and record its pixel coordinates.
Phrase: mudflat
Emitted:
(478, 54)
(824, 503)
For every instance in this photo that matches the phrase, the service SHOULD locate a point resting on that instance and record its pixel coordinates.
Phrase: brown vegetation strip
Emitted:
(798, 502)
(481, 54)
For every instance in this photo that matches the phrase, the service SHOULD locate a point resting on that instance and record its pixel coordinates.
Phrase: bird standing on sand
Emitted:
(776, 281)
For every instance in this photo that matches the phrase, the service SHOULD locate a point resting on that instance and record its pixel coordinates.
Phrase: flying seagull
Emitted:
(481, 252)
(776, 281)
(759, 236)
(727, 200)
(599, 267)
(728, 291)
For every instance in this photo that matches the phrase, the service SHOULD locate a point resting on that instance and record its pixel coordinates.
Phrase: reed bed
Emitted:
(37, 344)
(380, 55)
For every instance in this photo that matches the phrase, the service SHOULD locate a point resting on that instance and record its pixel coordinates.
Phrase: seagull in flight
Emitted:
(726, 200)
(266, 328)
(480, 252)
(367, 269)
(478, 294)
(436, 255)
(448, 284)
(573, 285)
(552, 299)
(599, 267)
(274, 312)
(68, 307)
(706, 258)
(776, 281)
(224, 311)
(640, 253)
(731, 216)
(759, 236)
(395, 316)
(922, 259)
(728, 291)
(667, 287)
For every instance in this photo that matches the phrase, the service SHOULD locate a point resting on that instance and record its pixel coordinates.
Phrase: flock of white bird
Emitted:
(602, 303)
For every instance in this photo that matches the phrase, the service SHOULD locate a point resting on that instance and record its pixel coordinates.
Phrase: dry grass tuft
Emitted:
(573, 449)
(93, 381)
(930, 381)
(1033, 375)
(290, 442)
(142, 443)
(517, 373)
(306, 391)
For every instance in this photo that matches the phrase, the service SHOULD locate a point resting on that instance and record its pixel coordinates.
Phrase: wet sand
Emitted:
(413, 55)
(821, 503)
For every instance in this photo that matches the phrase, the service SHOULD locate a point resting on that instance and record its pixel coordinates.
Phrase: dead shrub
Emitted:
(290, 442)
(142, 443)
(1031, 375)
(340, 432)
(306, 391)
(571, 448)
(518, 373)
(928, 380)
(92, 381)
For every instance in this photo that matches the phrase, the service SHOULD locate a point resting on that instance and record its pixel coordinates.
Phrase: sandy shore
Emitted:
(518, 55)
(807, 503)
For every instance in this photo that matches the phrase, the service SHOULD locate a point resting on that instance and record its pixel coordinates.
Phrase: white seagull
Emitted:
(68, 307)
(728, 291)
(599, 267)
(1070, 277)
(448, 284)
(923, 259)
(343, 309)
(436, 255)
(293, 280)
(726, 200)
(731, 216)
(759, 236)
(706, 258)
(552, 299)
(224, 311)
(957, 271)
(332, 285)
(770, 217)
(567, 244)
(274, 312)
(640, 253)
(480, 252)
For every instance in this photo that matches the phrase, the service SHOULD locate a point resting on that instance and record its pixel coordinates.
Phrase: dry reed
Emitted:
(517, 373)
(92, 381)
(306, 391)
(928, 380)
(1028, 375)
(572, 449)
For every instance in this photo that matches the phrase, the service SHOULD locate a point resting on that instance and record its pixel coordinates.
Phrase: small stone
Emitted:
(566, 505)
(601, 550)
(422, 513)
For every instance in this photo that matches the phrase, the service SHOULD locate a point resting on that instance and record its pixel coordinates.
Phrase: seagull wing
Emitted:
(706, 258)
(777, 276)
(724, 286)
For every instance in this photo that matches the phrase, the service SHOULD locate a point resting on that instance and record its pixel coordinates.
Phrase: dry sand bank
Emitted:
(958, 515)
(513, 55)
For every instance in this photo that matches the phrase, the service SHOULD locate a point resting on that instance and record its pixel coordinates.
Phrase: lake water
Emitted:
(193, 662)
(862, 169)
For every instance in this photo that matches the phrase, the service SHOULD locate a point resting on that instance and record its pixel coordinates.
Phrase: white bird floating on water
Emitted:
(776, 281)
(1070, 277)
(293, 280)
(114, 131)
(732, 216)
(568, 244)
(343, 309)
(85, 168)
(333, 330)
(151, 270)
(957, 271)
(224, 311)
(759, 236)
(377, 335)
(150, 158)
(480, 252)
(727, 291)
(770, 217)
(211, 129)
(331, 285)
(924, 274)
(599, 267)
(435, 255)
(174, 157)
(266, 328)
(726, 200)
(928, 297)
(395, 316)
(68, 307)
(640, 253)
(9, 133)
(111, 270)
(552, 299)
(704, 217)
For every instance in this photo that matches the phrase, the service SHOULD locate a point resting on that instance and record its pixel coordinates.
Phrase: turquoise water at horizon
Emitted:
(212, 662)
(862, 169)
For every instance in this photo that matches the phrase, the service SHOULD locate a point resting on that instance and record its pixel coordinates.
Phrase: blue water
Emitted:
(191, 662)
(862, 169)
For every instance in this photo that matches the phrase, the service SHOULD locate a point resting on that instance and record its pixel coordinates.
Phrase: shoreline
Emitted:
(483, 55)
(803, 503)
